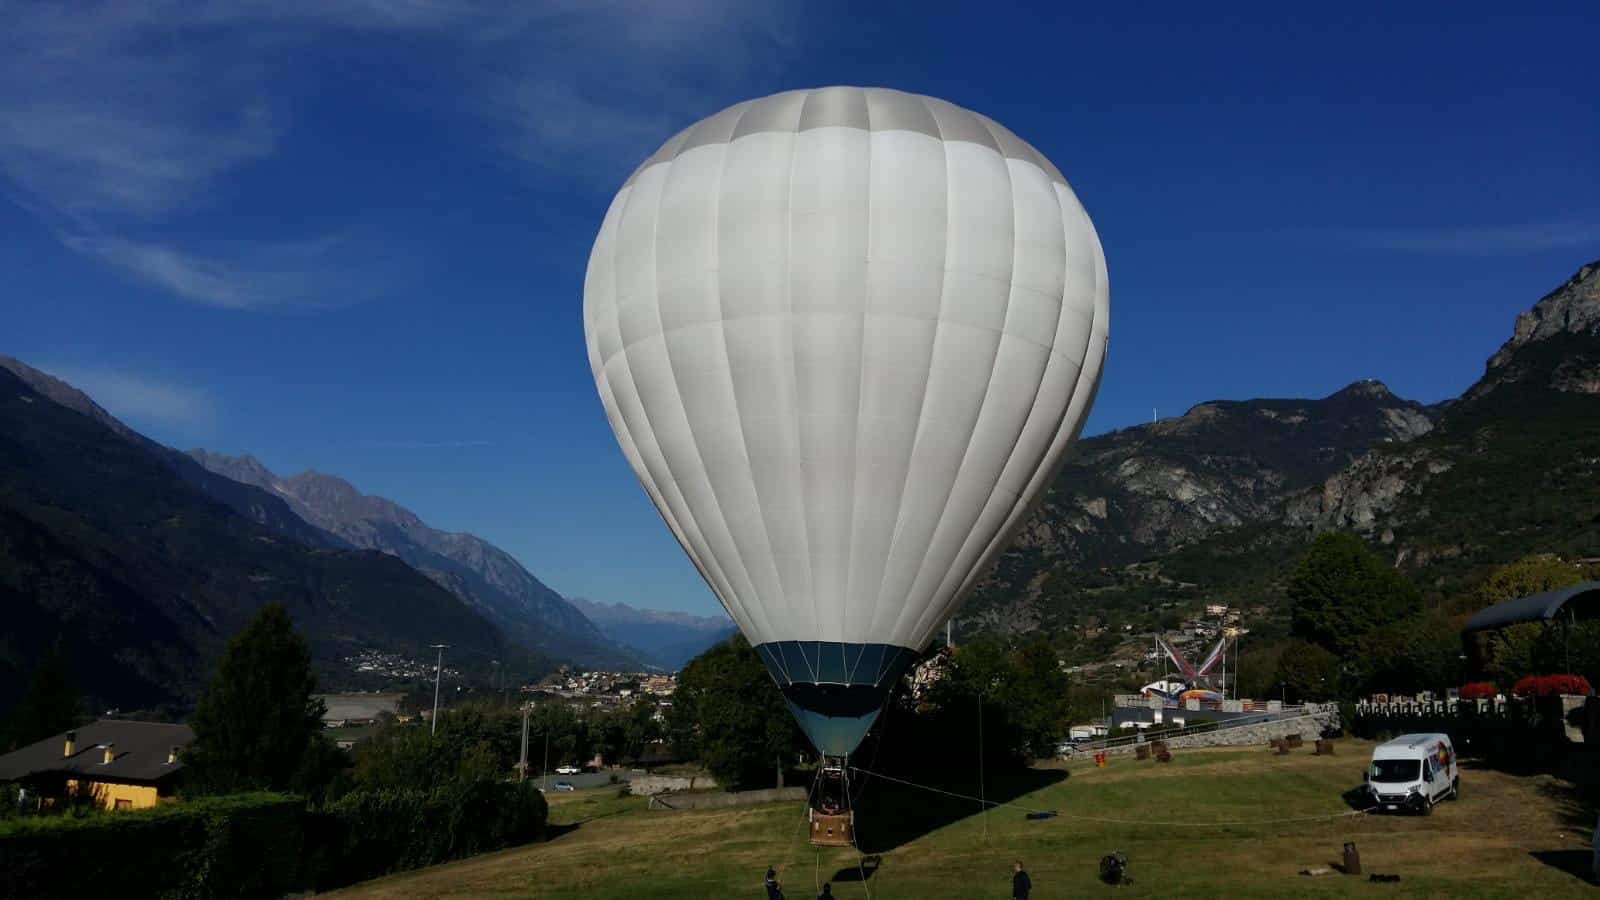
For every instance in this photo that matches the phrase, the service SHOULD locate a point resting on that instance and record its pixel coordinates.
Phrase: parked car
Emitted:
(1413, 773)
(565, 786)
(567, 770)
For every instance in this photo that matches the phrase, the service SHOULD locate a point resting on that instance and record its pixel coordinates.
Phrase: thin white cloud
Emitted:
(1532, 237)
(426, 445)
(323, 272)
(117, 121)
(123, 110)
(140, 399)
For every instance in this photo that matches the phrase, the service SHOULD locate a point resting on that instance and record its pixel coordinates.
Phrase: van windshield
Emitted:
(1393, 771)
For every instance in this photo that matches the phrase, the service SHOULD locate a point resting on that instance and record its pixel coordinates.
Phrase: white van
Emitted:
(1413, 772)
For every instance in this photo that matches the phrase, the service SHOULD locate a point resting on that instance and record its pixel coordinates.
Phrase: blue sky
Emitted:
(351, 236)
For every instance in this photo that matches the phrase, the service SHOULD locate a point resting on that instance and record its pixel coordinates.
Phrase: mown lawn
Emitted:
(1508, 837)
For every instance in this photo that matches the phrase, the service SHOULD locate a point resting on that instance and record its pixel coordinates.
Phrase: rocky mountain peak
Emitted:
(53, 388)
(1572, 308)
(246, 468)
(1367, 387)
(342, 500)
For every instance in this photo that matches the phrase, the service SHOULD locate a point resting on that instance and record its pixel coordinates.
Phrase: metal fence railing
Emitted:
(1305, 711)
(1140, 701)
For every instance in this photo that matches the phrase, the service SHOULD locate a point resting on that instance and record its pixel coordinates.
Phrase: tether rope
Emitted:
(804, 820)
(1110, 821)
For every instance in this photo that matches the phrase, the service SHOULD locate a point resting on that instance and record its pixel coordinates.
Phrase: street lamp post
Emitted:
(438, 670)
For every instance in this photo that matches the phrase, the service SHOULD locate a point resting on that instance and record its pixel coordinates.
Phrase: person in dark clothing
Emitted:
(1021, 884)
(827, 892)
(774, 890)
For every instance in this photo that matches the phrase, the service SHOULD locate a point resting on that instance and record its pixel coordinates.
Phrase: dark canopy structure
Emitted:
(1578, 602)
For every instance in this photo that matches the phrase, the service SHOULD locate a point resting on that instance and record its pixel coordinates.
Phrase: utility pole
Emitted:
(438, 670)
(1237, 637)
(544, 774)
(983, 795)
(522, 764)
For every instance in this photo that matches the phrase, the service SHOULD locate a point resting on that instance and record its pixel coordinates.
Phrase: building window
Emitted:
(124, 804)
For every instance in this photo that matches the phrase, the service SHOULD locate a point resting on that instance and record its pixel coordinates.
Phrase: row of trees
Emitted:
(1358, 625)
(259, 727)
(1012, 698)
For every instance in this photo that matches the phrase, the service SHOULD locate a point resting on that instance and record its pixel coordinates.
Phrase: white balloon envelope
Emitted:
(845, 338)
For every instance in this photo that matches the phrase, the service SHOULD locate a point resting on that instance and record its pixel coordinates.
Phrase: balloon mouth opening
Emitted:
(837, 700)
(835, 690)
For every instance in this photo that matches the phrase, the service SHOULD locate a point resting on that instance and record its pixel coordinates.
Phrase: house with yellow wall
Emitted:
(118, 763)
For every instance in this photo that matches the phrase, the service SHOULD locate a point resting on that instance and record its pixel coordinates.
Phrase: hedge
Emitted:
(261, 845)
(370, 833)
(246, 845)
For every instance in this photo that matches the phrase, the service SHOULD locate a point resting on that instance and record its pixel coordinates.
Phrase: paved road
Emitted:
(584, 780)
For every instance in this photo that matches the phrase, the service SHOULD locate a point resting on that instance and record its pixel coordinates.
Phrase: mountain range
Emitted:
(144, 559)
(1215, 504)
(115, 551)
(668, 639)
(487, 578)
(146, 607)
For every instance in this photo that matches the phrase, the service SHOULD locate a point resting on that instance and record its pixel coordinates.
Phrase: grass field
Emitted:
(1507, 837)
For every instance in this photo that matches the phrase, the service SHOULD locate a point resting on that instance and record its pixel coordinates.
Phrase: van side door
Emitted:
(1436, 779)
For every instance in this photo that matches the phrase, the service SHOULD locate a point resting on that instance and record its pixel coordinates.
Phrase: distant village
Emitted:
(604, 689)
(351, 713)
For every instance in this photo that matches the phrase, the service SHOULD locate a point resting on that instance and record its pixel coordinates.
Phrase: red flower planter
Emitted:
(1550, 685)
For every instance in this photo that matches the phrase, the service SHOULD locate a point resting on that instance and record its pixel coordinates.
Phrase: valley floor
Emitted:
(1509, 836)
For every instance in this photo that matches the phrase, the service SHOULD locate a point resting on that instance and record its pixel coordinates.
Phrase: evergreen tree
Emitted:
(51, 705)
(1307, 671)
(1340, 590)
(259, 720)
(729, 714)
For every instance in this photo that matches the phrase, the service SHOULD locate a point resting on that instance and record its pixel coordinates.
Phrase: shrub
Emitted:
(368, 833)
(1546, 685)
(1478, 690)
(246, 845)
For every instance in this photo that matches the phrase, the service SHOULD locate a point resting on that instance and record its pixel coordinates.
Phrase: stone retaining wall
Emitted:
(720, 799)
(1309, 727)
(650, 785)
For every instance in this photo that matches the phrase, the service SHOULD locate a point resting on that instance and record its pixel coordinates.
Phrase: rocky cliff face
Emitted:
(475, 570)
(1554, 348)
(1362, 496)
(1222, 464)
(1139, 492)
(1572, 308)
(1220, 500)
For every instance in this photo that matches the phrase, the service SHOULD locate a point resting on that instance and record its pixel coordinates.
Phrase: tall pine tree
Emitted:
(259, 723)
(51, 705)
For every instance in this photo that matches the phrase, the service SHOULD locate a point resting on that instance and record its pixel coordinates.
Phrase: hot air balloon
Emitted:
(845, 337)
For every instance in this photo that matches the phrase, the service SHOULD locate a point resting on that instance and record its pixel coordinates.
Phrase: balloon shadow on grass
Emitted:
(1577, 863)
(890, 814)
